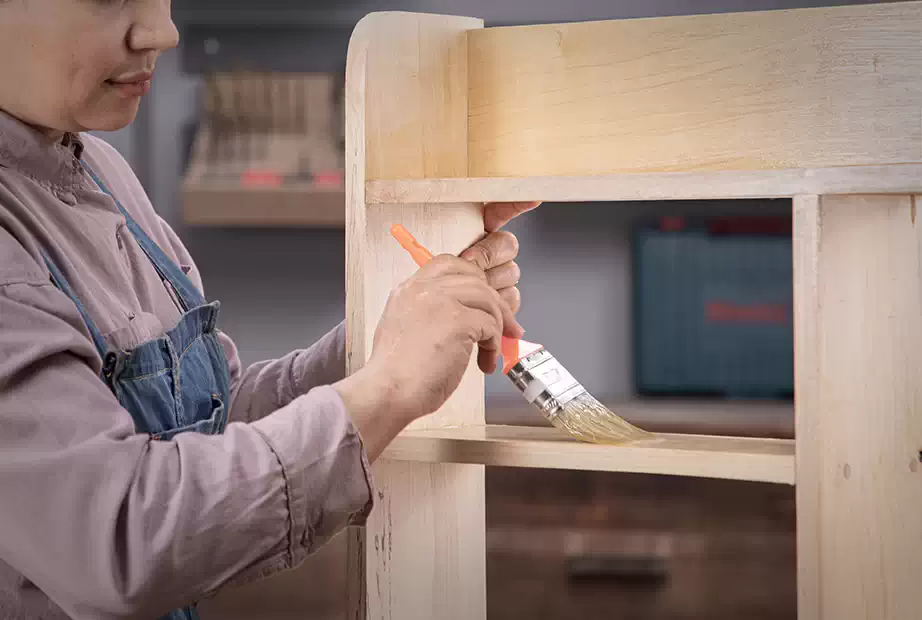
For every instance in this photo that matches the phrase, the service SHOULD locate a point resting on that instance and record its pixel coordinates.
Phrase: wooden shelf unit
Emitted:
(821, 105)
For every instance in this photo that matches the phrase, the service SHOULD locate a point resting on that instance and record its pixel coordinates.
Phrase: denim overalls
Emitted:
(173, 384)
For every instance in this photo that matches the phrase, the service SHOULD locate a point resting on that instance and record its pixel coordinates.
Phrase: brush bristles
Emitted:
(587, 419)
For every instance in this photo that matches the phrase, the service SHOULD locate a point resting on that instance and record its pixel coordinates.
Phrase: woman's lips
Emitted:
(134, 85)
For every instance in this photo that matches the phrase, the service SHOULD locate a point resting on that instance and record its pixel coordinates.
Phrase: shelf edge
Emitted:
(719, 185)
(732, 458)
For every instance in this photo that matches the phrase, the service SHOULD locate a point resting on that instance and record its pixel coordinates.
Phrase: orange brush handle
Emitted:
(409, 243)
(510, 346)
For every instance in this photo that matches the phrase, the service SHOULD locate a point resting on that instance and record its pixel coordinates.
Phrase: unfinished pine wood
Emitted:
(859, 428)
(763, 90)
(422, 552)
(735, 458)
(721, 185)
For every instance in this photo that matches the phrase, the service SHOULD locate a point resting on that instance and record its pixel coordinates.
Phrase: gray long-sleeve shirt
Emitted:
(95, 520)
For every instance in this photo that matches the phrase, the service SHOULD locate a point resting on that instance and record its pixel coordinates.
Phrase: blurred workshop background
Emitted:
(677, 315)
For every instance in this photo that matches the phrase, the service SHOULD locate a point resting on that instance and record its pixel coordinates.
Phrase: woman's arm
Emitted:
(110, 524)
(265, 386)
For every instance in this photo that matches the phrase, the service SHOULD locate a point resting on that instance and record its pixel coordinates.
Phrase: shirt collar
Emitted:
(27, 150)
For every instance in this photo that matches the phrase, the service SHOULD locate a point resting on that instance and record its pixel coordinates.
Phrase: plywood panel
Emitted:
(859, 428)
(763, 90)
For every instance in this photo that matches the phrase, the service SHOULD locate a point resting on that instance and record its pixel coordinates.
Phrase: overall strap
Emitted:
(61, 282)
(189, 296)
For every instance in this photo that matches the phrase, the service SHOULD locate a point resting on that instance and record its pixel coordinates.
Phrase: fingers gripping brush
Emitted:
(545, 383)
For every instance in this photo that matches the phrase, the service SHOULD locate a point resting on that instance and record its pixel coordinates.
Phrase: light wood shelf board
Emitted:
(722, 185)
(733, 458)
(230, 204)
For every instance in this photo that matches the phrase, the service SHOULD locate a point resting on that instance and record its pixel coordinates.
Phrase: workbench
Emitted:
(822, 106)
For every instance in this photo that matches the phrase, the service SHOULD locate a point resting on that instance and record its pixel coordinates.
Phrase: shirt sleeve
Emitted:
(111, 524)
(266, 386)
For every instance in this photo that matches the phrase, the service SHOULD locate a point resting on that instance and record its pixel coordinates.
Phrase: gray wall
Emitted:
(282, 288)
(493, 11)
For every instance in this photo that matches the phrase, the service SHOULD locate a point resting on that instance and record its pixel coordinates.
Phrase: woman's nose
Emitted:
(153, 28)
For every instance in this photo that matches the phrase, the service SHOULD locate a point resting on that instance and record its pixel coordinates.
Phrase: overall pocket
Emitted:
(208, 425)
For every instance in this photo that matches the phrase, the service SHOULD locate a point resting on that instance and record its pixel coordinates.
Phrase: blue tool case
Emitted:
(712, 307)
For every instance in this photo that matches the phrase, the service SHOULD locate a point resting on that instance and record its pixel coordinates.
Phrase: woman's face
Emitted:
(80, 65)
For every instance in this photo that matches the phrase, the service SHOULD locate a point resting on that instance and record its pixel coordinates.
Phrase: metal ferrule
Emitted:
(545, 382)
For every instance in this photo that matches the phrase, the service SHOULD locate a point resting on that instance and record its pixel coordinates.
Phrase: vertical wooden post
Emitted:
(859, 407)
(422, 553)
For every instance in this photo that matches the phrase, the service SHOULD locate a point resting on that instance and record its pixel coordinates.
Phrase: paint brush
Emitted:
(545, 383)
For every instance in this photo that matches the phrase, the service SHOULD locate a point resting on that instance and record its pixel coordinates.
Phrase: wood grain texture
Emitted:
(422, 552)
(734, 458)
(416, 117)
(859, 429)
(709, 185)
(763, 90)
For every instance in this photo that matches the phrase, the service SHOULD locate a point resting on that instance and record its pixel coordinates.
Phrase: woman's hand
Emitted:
(498, 214)
(496, 253)
(429, 328)
(428, 331)
(422, 346)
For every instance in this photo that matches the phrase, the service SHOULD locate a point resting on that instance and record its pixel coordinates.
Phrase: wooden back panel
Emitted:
(775, 89)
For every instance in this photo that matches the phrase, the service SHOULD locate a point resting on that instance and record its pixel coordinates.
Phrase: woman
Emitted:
(141, 468)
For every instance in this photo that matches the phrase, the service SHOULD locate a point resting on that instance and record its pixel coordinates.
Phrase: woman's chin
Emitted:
(112, 118)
